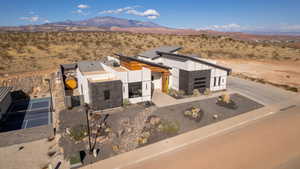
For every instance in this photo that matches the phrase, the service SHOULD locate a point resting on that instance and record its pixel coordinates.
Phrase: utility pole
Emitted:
(86, 109)
(49, 84)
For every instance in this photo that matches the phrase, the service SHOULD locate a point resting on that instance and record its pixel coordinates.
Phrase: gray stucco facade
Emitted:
(190, 80)
(104, 95)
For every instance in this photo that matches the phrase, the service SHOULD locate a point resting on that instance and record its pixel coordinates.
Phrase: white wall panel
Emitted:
(135, 100)
(174, 79)
(134, 76)
(125, 90)
(146, 74)
(157, 80)
(146, 88)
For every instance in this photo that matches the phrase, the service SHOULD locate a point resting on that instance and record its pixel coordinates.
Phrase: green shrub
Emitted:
(207, 92)
(78, 132)
(169, 127)
(196, 92)
(126, 102)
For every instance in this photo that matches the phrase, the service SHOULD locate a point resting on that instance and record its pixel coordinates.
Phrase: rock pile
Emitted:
(193, 113)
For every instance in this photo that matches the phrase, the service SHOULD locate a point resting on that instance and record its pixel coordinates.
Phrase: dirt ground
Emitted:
(279, 72)
(34, 155)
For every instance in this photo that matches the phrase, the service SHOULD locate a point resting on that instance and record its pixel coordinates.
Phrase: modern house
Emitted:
(104, 86)
(5, 100)
(107, 84)
(187, 72)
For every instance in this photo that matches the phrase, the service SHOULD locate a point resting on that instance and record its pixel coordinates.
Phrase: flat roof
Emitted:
(4, 91)
(143, 61)
(102, 80)
(90, 66)
(184, 58)
(95, 72)
(120, 69)
(152, 52)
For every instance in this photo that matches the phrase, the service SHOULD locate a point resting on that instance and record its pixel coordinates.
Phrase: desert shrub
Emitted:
(207, 92)
(169, 127)
(126, 102)
(196, 92)
(78, 132)
(181, 92)
(225, 98)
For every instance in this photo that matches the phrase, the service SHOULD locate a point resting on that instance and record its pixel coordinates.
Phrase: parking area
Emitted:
(28, 114)
(262, 93)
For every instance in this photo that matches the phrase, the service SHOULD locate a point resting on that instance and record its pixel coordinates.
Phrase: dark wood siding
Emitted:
(190, 80)
(99, 94)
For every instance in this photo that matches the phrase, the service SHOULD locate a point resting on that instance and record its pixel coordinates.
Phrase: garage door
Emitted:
(200, 83)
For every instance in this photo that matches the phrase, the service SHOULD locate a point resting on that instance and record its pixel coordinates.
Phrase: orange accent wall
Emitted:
(135, 65)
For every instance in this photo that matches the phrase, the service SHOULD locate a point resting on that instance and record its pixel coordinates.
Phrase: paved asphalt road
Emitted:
(269, 143)
(262, 93)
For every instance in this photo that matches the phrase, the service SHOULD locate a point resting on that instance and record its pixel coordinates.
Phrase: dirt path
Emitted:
(279, 72)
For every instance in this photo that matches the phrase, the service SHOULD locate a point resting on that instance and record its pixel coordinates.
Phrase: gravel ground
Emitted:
(128, 123)
(209, 107)
(125, 123)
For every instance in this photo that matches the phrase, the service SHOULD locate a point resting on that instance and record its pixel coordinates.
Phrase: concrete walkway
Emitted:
(161, 99)
(264, 138)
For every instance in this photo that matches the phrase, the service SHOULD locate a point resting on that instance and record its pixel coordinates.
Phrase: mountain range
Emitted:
(108, 23)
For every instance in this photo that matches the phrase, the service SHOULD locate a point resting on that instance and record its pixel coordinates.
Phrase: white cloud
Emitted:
(257, 28)
(149, 13)
(46, 21)
(226, 27)
(30, 19)
(117, 11)
(83, 6)
(291, 28)
(151, 17)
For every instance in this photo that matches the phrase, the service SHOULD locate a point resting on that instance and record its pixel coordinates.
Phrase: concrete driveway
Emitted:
(262, 93)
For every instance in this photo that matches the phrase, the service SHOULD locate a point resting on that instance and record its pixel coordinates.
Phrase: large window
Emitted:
(215, 81)
(135, 89)
(106, 94)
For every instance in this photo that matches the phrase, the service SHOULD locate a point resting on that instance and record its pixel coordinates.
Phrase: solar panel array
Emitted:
(33, 113)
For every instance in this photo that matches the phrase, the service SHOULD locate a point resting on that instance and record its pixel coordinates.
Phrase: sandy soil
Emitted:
(279, 72)
(32, 156)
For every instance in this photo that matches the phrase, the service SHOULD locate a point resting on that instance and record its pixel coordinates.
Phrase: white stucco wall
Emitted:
(221, 79)
(174, 79)
(157, 80)
(128, 76)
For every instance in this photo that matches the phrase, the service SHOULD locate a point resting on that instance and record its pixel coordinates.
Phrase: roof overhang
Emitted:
(184, 58)
(143, 61)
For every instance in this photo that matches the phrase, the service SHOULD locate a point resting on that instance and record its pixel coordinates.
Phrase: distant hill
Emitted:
(108, 23)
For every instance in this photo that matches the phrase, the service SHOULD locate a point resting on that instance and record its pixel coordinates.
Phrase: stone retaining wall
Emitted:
(25, 135)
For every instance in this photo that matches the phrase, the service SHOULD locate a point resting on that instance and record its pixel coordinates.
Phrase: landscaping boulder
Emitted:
(154, 120)
(193, 113)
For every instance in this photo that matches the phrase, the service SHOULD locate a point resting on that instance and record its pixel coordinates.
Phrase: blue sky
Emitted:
(223, 15)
